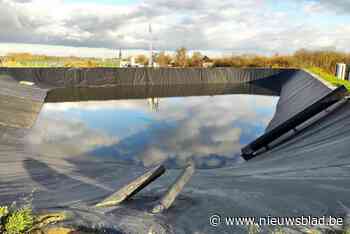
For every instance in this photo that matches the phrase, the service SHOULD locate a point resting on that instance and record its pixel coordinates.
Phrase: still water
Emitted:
(210, 130)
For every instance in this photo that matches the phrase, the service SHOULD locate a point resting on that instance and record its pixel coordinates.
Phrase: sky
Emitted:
(100, 27)
(181, 128)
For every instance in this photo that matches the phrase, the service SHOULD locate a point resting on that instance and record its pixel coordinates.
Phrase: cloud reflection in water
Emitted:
(211, 130)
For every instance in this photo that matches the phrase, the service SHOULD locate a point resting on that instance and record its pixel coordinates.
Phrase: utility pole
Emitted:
(120, 54)
(150, 62)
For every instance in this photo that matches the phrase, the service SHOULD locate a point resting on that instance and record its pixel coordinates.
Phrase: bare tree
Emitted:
(181, 59)
(196, 60)
(142, 59)
(163, 59)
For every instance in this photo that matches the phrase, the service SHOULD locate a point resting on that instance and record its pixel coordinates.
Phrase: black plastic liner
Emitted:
(71, 77)
(297, 89)
(306, 175)
(291, 123)
(146, 91)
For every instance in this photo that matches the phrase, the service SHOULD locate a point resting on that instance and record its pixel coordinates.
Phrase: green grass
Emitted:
(22, 220)
(15, 221)
(86, 63)
(3, 211)
(19, 221)
(329, 77)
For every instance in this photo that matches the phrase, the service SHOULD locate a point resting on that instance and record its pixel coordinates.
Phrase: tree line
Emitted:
(182, 58)
(302, 58)
(326, 60)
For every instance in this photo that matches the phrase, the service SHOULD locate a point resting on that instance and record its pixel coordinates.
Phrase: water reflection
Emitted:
(209, 129)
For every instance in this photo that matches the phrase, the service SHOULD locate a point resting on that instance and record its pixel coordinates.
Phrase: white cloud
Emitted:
(94, 105)
(239, 26)
(204, 127)
(56, 136)
(152, 156)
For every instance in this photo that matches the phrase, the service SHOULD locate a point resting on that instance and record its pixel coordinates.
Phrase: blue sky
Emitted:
(182, 126)
(226, 26)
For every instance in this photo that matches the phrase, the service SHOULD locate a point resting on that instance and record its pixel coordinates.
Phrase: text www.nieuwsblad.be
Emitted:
(217, 220)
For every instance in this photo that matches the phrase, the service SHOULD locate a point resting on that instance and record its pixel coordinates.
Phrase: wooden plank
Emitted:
(175, 189)
(132, 188)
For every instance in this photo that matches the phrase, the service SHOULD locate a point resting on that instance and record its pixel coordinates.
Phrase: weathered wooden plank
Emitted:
(175, 189)
(132, 188)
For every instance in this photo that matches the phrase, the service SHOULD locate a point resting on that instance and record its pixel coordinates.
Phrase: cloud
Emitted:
(339, 6)
(56, 136)
(152, 156)
(94, 105)
(239, 26)
(206, 129)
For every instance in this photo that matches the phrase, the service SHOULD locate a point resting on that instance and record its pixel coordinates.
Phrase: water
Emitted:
(210, 130)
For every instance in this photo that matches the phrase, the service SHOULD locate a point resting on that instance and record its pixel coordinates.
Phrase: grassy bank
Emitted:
(329, 77)
(29, 60)
(73, 63)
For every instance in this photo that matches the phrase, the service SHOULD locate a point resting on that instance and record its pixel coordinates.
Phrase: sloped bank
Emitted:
(71, 77)
(306, 174)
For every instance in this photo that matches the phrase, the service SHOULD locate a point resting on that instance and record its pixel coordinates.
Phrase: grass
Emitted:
(77, 63)
(19, 221)
(16, 221)
(22, 220)
(329, 77)
(253, 229)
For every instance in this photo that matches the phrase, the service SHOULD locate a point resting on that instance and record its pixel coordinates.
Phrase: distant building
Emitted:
(207, 62)
(125, 63)
(342, 71)
(131, 62)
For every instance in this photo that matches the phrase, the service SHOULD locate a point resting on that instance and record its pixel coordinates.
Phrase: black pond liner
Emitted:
(310, 111)
(301, 95)
(308, 174)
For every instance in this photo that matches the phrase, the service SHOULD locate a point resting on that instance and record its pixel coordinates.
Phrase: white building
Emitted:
(130, 63)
